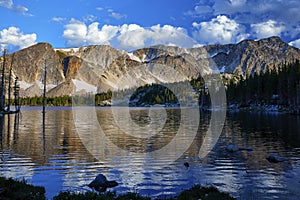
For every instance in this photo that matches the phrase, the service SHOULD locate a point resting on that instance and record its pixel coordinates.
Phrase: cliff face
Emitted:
(99, 68)
(29, 64)
(71, 65)
(249, 57)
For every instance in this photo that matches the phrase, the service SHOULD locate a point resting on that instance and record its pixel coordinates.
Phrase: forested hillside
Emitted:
(271, 88)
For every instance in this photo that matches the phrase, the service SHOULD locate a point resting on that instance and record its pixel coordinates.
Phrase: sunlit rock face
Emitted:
(249, 57)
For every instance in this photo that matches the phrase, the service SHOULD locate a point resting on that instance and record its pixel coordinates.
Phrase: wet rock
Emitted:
(100, 183)
(275, 158)
(186, 164)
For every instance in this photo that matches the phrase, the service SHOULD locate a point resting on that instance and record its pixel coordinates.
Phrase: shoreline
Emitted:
(232, 107)
(267, 108)
(13, 189)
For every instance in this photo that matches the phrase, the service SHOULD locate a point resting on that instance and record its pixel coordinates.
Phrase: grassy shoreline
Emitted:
(12, 189)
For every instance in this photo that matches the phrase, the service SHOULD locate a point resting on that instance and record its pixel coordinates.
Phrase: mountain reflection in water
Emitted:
(54, 155)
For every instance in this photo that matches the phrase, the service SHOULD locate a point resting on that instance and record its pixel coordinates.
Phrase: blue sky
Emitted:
(130, 24)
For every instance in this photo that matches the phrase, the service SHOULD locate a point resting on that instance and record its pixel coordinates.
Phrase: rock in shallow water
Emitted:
(186, 164)
(100, 183)
(275, 158)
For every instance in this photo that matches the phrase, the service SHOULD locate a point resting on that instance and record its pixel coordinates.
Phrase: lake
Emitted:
(144, 150)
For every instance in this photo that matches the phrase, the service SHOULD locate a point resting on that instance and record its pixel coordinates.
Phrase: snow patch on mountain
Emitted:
(24, 85)
(82, 85)
(220, 70)
(41, 85)
(75, 50)
(72, 51)
(133, 57)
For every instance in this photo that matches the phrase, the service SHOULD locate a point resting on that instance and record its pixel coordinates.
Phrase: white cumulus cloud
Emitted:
(132, 36)
(267, 29)
(261, 14)
(75, 33)
(219, 30)
(126, 36)
(103, 36)
(295, 43)
(15, 38)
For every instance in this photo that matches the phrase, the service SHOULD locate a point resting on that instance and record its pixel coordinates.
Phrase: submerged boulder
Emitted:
(275, 158)
(100, 183)
(186, 164)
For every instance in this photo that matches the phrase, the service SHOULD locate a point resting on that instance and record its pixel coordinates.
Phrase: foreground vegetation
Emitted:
(11, 189)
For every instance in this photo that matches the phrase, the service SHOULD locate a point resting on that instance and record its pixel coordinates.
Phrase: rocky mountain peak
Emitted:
(272, 39)
(249, 57)
(101, 67)
(29, 64)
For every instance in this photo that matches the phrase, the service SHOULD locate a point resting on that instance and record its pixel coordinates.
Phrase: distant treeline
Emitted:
(279, 86)
(65, 100)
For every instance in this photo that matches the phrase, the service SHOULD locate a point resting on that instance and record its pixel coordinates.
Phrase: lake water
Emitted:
(65, 151)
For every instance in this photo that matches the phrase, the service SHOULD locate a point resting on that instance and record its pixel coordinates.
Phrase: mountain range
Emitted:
(99, 68)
